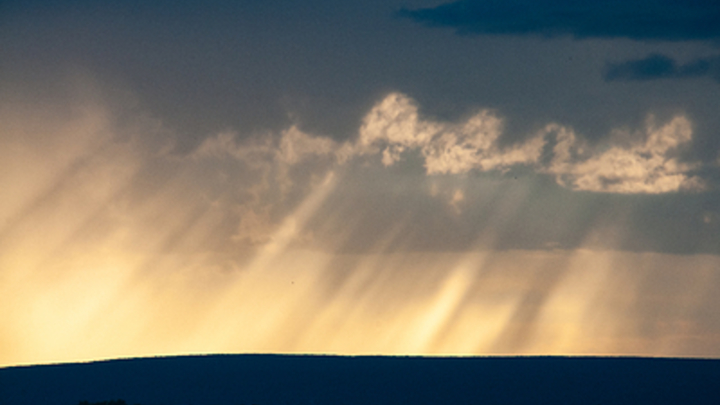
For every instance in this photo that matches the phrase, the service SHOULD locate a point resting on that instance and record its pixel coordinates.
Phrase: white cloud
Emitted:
(641, 162)
(649, 166)
(395, 121)
(643, 167)
(394, 126)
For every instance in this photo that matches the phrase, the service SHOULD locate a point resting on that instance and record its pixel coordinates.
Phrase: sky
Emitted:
(408, 177)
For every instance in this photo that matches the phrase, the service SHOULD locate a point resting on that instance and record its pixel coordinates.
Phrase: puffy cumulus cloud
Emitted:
(390, 129)
(644, 161)
(643, 167)
(394, 126)
(395, 120)
(649, 165)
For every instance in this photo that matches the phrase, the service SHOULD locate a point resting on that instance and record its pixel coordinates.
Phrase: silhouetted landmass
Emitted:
(111, 402)
(332, 380)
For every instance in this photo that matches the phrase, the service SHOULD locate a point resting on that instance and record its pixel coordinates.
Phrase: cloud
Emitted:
(109, 242)
(643, 167)
(296, 146)
(648, 165)
(261, 178)
(394, 126)
(254, 151)
(235, 192)
(658, 66)
(640, 162)
(292, 146)
(667, 20)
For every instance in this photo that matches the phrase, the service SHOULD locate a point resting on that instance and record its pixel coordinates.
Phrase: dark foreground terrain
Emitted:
(330, 380)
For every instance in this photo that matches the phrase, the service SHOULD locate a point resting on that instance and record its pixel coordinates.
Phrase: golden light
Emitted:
(108, 249)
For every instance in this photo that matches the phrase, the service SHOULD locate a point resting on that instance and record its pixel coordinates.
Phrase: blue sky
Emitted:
(468, 165)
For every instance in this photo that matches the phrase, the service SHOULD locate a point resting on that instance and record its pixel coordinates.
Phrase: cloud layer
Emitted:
(667, 20)
(644, 161)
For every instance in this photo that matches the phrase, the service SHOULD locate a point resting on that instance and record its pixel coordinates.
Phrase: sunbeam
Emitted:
(416, 237)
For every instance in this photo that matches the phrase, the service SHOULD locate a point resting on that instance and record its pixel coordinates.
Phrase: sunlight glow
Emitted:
(109, 248)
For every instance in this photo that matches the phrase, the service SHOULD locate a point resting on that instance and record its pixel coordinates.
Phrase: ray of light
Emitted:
(95, 264)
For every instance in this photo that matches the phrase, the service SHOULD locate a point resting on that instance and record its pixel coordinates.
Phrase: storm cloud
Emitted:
(665, 20)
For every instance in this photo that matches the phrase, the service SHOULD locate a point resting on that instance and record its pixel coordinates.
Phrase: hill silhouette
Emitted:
(336, 380)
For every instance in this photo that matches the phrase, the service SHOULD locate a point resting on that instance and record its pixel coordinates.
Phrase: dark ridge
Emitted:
(366, 380)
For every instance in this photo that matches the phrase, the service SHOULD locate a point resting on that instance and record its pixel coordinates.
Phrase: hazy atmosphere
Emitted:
(368, 177)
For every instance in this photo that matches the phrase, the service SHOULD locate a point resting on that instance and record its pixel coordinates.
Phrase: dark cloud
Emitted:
(667, 20)
(658, 66)
(202, 68)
